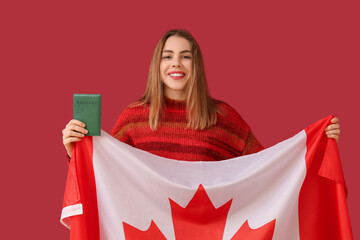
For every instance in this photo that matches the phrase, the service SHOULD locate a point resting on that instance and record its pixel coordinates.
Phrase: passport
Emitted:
(87, 108)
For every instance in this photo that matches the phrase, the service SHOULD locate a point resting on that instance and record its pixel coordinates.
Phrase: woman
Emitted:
(176, 118)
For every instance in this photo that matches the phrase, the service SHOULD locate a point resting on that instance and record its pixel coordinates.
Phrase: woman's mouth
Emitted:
(176, 75)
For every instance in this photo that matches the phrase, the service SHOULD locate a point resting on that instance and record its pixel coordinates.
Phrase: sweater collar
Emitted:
(175, 104)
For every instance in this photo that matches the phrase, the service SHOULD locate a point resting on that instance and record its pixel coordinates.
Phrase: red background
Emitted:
(282, 64)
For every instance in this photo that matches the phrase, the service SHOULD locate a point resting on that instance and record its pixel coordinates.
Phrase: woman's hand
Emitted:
(333, 130)
(73, 132)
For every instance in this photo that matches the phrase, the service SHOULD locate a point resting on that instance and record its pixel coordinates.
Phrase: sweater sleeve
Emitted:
(121, 130)
(252, 145)
(239, 127)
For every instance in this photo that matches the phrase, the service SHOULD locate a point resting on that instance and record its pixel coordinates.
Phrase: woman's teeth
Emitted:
(177, 74)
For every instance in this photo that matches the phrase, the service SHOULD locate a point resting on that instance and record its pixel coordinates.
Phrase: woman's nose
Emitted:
(176, 62)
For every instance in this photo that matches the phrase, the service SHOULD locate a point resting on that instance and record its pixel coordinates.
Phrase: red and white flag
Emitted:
(293, 190)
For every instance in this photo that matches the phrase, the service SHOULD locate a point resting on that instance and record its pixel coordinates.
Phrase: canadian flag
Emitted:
(293, 190)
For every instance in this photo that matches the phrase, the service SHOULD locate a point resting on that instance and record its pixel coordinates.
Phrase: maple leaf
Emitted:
(265, 232)
(151, 234)
(200, 220)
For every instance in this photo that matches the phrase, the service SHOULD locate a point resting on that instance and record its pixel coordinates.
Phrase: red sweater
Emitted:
(230, 137)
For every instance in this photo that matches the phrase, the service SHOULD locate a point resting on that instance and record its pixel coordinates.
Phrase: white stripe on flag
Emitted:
(69, 211)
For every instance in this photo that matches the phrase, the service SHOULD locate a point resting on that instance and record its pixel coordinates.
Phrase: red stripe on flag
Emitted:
(323, 212)
(85, 226)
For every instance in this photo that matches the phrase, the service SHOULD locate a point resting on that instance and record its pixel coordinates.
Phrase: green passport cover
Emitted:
(87, 108)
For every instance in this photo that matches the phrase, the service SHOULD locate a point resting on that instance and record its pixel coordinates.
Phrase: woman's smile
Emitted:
(176, 75)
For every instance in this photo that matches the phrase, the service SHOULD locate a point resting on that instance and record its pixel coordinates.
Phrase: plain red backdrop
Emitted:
(282, 64)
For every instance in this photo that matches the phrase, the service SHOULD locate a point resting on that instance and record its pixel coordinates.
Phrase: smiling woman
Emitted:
(176, 67)
(176, 117)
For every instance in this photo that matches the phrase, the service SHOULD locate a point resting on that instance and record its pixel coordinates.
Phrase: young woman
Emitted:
(176, 118)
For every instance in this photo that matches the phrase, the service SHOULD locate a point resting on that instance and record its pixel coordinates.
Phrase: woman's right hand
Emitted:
(73, 132)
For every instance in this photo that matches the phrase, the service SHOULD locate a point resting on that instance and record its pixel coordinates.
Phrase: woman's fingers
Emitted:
(74, 131)
(76, 122)
(332, 127)
(70, 140)
(333, 134)
(334, 120)
(77, 128)
(70, 133)
(76, 125)
(333, 130)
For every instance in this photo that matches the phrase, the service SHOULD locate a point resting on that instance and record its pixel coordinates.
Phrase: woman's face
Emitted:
(176, 67)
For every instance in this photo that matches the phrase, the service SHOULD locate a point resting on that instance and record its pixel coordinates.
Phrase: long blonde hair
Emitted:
(201, 108)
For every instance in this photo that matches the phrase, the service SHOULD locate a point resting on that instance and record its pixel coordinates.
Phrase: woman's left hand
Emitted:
(333, 130)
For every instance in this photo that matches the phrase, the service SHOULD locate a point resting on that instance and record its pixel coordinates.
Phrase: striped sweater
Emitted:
(230, 137)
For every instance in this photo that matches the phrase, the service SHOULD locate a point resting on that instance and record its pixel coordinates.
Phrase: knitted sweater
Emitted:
(230, 137)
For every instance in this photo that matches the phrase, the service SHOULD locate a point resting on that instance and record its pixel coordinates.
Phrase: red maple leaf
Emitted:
(265, 232)
(200, 220)
(151, 234)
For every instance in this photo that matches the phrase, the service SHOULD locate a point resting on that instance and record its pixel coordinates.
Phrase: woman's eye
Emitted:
(166, 57)
(187, 57)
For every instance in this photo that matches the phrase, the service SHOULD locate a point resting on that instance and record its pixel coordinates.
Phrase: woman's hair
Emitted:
(200, 107)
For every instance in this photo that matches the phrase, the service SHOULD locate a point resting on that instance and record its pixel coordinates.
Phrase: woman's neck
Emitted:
(175, 94)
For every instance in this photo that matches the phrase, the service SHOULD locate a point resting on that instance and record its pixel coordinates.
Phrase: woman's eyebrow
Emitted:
(171, 51)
